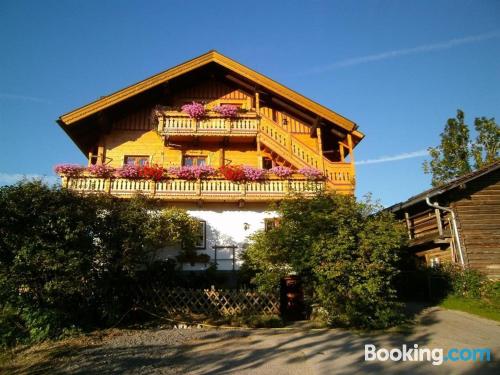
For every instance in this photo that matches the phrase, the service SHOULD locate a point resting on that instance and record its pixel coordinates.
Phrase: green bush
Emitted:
(68, 260)
(346, 253)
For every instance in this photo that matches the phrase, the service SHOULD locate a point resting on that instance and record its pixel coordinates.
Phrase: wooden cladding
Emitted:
(211, 90)
(286, 121)
(138, 120)
(478, 213)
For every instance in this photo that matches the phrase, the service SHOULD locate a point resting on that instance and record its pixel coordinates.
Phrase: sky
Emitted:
(399, 69)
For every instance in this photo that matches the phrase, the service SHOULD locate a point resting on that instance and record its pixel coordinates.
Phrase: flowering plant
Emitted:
(128, 171)
(100, 170)
(192, 172)
(69, 170)
(281, 171)
(312, 173)
(227, 110)
(233, 173)
(151, 172)
(253, 174)
(194, 110)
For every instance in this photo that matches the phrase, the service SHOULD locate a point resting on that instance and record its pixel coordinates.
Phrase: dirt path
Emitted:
(303, 352)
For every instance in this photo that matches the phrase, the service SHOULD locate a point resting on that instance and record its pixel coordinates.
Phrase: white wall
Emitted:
(225, 226)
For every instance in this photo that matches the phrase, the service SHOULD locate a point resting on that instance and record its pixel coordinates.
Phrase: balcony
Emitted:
(173, 123)
(212, 190)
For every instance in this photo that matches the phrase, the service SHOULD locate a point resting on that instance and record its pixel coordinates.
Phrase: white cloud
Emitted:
(12, 178)
(386, 159)
(406, 51)
(25, 98)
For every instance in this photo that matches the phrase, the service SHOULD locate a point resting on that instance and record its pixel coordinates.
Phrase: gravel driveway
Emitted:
(276, 352)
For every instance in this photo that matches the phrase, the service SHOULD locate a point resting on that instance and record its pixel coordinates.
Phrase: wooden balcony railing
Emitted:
(179, 123)
(184, 190)
(285, 143)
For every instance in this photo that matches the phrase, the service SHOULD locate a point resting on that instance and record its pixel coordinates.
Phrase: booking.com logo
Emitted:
(436, 356)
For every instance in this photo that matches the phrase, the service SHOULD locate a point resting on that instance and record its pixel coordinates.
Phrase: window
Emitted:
(194, 160)
(267, 163)
(136, 160)
(270, 223)
(201, 240)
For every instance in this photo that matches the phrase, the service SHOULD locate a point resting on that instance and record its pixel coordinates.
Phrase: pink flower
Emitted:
(69, 170)
(193, 172)
(281, 171)
(129, 171)
(227, 110)
(312, 173)
(253, 174)
(194, 110)
(100, 170)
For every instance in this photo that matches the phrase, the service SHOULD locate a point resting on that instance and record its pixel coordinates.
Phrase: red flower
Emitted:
(233, 172)
(152, 172)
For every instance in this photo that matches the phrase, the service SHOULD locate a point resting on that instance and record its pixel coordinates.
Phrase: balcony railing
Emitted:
(186, 190)
(179, 123)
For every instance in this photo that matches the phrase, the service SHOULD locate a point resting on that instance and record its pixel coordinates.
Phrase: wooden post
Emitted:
(107, 185)
(320, 148)
(408, 224)
(100, 155)
(257, 102)
(152, 188)
(342, 153)
(89, 163)
(349, 143)
(439, 223)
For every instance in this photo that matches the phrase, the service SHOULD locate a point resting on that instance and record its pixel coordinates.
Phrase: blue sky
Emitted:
(397, 68)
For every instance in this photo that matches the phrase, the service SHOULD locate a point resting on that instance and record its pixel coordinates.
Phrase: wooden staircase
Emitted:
(340, 176)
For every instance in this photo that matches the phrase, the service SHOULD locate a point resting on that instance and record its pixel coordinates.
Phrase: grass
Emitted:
(472, 306)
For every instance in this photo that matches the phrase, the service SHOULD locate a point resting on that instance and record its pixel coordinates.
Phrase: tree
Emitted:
(346, 253)
(485, 149)
(453, 157)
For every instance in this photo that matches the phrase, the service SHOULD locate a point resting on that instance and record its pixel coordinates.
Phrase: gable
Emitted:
(258, 80)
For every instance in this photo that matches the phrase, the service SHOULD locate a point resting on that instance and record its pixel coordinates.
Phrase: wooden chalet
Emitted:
(143, 124)
(458, 222)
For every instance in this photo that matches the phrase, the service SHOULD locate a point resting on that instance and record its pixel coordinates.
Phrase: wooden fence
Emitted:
(210, 302)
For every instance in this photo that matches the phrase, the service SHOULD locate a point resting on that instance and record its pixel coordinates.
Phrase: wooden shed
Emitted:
(457, 222)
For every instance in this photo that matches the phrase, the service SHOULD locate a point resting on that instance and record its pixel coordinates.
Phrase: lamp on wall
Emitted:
(246, 226)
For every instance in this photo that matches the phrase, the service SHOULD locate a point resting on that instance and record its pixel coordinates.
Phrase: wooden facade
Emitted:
(475, 201)
(276, 127)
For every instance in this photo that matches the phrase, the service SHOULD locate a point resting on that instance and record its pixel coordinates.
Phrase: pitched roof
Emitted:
(460, 181)
(209, 57)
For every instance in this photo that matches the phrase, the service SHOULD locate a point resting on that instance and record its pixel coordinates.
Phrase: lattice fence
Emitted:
(210, 302)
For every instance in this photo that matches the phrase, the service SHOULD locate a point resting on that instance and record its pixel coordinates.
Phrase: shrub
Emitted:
(75, 265)
(346, 253)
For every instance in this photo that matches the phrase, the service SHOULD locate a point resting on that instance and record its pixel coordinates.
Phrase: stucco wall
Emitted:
(226, 224)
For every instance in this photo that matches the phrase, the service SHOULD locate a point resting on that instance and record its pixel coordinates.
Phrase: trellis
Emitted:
(210, 302)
